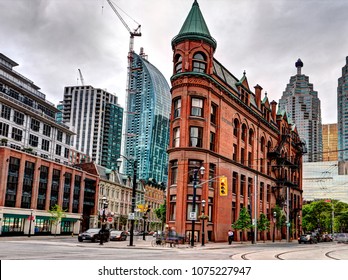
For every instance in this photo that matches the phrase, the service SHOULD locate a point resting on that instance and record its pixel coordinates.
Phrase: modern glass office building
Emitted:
(147, 121)
(302, 105)
(96, 118)
(342, 114)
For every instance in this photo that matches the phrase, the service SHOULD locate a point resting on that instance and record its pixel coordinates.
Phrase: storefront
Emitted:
(43, 225)
(13, 224)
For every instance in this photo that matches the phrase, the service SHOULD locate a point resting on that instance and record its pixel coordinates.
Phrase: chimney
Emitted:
(258, 90)
(274, 110)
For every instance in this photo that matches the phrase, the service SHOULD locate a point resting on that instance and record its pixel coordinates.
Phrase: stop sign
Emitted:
(110, 219)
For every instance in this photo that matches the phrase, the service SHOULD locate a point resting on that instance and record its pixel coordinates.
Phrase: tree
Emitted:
(161, 213)
(57, 213)
(244, 220)
(317, 216)
(263, 223)
(123, 221)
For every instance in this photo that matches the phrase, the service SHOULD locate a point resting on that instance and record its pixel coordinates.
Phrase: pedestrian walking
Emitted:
(230, 237)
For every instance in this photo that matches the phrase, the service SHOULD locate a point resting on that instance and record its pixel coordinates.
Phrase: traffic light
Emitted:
(223, 186)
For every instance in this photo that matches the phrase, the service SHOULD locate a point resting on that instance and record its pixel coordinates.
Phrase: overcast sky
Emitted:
(52, 39)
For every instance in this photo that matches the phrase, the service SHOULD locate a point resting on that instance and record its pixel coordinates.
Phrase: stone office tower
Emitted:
(302, 105)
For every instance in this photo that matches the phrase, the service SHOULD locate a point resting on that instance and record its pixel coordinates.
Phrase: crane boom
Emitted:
(81, 78)
(135, 32)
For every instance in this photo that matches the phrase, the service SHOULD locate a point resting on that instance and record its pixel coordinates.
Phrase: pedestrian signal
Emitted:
(223, 186)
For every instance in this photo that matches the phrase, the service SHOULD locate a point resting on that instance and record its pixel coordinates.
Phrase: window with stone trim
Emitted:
(178, 64)
(176, 137)
(196, 135)
(197, 107)
(199, 62)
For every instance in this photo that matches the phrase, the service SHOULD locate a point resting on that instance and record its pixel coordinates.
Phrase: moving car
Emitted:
(93, 234)
(341, 237)
(307, 238)
(118, 235)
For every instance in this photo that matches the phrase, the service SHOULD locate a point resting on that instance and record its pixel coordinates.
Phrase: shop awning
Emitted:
(43, 217)
(69, 220)
(8, 215)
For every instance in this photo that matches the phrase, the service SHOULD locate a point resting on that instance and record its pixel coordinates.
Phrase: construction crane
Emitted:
(135, 32)
(81, 78)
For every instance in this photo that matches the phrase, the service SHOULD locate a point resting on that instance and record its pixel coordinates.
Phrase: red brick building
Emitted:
(222, 124)
(31, 185)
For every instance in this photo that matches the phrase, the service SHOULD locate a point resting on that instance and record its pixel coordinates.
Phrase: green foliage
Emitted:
(123, 220)
(161, 213)
(318, 215)
(244, 220)
(280, 217)
(57, 213)
(263, 223)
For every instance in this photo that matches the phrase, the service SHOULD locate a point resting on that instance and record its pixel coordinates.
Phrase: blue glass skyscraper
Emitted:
(342, 114)
(147, 120)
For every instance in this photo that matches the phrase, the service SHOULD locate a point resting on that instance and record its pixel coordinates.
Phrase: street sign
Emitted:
(110, 219)
(193, 216)
(131, 216)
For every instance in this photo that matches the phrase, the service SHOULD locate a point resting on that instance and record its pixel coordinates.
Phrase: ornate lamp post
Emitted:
(103, 220)
(274, 224)
(203, 218)
(145, 217)
(195, 179)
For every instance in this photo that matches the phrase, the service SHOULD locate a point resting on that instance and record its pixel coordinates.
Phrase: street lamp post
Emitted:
(145, 217)
(195, 179)
(203, 218)
(105, 205)
(30, 221)
(134, 191)
(274, 224)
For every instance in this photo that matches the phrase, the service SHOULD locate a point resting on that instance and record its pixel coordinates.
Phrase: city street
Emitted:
(68, 248)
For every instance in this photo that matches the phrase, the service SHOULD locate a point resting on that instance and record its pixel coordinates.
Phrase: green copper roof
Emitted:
(195, 27)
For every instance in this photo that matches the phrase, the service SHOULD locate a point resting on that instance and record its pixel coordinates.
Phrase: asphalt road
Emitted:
(68, 248)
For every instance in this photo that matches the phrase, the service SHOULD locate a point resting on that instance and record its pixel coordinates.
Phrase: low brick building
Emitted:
(31, 185)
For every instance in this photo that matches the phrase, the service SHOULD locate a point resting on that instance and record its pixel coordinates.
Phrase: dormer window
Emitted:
(199, 63)
(178, 64)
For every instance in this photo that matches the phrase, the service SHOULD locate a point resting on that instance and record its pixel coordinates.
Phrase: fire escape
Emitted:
(286, 168)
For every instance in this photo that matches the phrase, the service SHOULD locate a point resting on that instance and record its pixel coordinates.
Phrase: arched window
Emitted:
(178, 64)
(199, 63)
(244, 132)
(251, 137)
(262, 144)
(235, 127)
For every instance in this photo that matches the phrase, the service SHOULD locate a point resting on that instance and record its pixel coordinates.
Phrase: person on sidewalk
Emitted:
(230, 237)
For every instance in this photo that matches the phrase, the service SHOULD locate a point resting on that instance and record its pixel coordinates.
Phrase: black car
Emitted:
(307, 238)
(94, 234)
(118, 235)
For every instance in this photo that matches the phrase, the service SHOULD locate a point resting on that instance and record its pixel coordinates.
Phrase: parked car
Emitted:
(341, 237)
(307, 238)
(118, 235)
(93, 234)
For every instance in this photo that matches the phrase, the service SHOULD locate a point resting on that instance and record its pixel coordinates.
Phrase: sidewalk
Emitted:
(138, 243)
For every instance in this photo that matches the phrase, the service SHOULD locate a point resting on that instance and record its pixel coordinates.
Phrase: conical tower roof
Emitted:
(195, 27)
